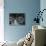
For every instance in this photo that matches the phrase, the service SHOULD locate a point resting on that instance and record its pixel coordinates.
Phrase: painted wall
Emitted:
(43, 6)
(29, 7)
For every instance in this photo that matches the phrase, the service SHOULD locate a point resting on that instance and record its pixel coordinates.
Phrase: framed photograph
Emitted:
(17, 19)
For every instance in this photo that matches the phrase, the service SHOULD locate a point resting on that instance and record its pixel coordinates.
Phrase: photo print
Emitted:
(16, 19)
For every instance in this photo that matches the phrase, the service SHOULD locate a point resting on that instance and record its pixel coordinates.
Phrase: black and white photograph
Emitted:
(17, 19)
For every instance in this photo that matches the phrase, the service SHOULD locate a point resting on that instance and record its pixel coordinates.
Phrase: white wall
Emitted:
(1, 20)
